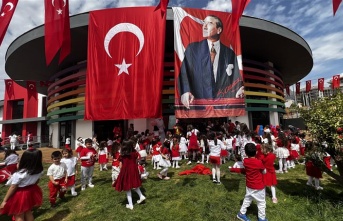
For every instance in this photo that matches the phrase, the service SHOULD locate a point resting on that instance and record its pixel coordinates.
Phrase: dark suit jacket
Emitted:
(196, 75)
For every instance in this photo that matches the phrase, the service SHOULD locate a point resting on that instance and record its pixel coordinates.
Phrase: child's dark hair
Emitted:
(127, 148)
(56, 154)
(88, 140)
(250, 149)
(9, 152)
(115, 148)
(267, 148)
(103, 145)
(212, 136)
(238, 157)
(31, 162)
(69, 151)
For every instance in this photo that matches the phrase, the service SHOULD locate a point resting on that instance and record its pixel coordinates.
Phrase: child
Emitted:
(67, 144)
(103, 155)
(142, 171)
(282, 152)
(80, 146)
(129, 177)
(255, 188)
(11, 161)
(109, 145)
(205, 149)
(88, 157)
(313, 172)
(193, 146)
(115, 161)
(24, 192)
(238, 166)
(58, 178)
(215, 146)
(71, 163)
(294, 153)
(175, 153)
(156, 155)
(183, 147)
(269, 178)
(164, 161)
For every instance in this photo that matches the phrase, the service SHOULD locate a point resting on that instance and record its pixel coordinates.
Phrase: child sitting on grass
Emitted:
(255, 189)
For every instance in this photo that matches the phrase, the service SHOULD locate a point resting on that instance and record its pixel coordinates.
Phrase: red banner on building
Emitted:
(297, 88)
(287, 89)
(57, 29)
(125, 64)
(335, 81)
(31, 89)
(321, 84)
(9, 85)
(208, 75)
(7, 10)
(308, 86)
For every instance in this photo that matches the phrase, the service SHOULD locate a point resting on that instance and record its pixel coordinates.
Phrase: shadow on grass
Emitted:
(59, 215)
(297, 187)
(230, 184)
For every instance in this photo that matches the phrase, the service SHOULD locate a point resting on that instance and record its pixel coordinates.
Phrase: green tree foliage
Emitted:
(324, 120)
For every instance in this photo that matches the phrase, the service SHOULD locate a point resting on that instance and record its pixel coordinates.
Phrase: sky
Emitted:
(313, 20)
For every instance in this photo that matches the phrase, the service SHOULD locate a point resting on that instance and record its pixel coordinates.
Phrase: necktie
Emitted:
(213, 54)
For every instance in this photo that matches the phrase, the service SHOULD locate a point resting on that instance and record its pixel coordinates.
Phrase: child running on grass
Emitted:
(129, 177)
(24, 193)
(255, 189)
(88, 156)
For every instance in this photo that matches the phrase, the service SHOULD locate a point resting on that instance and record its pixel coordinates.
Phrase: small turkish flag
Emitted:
(335, 81)
(308, 86)
(297, 88)
(321, 84)
(9, 87)
(287, 89)
(7, 10)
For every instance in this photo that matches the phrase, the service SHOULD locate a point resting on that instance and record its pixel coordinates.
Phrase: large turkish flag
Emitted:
(125, 64)
(7, 10)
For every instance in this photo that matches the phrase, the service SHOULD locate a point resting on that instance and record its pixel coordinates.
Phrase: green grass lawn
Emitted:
(193, 197)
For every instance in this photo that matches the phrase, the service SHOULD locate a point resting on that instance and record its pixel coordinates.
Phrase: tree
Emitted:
(324, 120)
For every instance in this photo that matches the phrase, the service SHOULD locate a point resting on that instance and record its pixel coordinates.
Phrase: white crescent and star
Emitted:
(123, 27)
(31, 86)
(11, 7)
(59, 11)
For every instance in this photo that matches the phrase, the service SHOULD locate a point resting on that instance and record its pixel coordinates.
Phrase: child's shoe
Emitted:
(189, 162)
(74, 193)
(309, 183)
(242, 217)
(259, 219)
(90, 185)
(319, 188)
(129, 206)
(274, 200)
(279, 171)
(83, 187)
(141, 200)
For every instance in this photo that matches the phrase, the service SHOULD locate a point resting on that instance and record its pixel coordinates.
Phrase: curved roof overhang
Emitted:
(262, 41)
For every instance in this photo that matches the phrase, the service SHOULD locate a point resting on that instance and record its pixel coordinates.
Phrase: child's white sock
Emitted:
(218, 174)
(273, 190)
(129, 197)
(214, 173)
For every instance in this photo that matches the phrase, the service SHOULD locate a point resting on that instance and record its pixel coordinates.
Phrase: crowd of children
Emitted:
(254, 156)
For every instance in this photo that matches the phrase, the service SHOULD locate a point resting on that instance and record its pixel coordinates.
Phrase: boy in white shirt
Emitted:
(58, 177)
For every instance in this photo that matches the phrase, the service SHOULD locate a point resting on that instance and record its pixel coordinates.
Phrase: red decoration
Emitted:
(297, 88)
(57, 29)
(321, 84)
(31, 88)
(335, 5)
(9, 87)
(125, 64)
(238, 7)
(7, 10)
(308, 86)
(335, 81)
(162, 6)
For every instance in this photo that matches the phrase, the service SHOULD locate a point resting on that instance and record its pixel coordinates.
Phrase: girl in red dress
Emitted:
(24, 194)
(11, 161)
(269, 178)
(103, 155)
(193, 146)
(313, 172)
(175, 152)
(129, 177)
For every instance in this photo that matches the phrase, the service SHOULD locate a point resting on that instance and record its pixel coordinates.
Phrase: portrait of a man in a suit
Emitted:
(210, 68)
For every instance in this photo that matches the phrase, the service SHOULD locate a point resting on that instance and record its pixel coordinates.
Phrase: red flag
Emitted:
(57, 29)
(308, 86)
(4, 174)
(31, 88)
(162, 6)
(335, 81)
(7, 10)
(297, 88)
(238, 7)
(335, 5)
(321, 84)
(287, 89)
(9, 84)
(125, 64)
